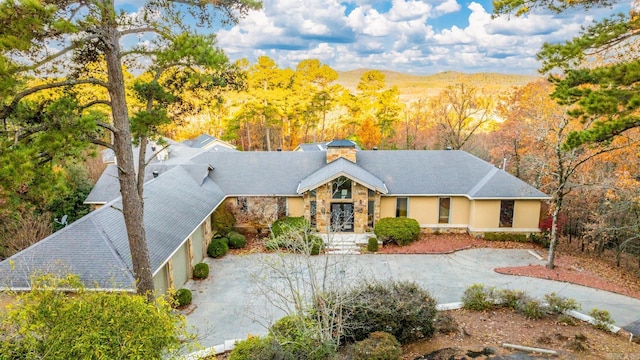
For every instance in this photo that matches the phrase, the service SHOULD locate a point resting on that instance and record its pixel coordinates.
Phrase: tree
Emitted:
(388, 112)
(59, 39)
(315, 79)
(48, 323)
(459, 112)
(596, 73)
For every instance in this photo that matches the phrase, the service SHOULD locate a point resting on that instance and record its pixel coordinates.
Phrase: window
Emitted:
(506, 213)
(282, 207)
(401, 207)
(242, 204)
(445, 210)
(341, 188)
(370, 208)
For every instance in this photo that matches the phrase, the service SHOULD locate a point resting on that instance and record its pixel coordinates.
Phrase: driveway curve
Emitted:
(229, 305)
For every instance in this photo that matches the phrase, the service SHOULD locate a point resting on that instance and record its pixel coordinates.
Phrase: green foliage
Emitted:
(259, 348)
(402, 309)
(200, 271)
(236, 240)
(287, 224)
(477, 297)
(493, 236)
(182, 297)
(510, 298)
(400, 230)
(217, 248)
(558, 304)
(372, 245)
(223, 219)
(602, 318)
(531, 308)
(48, 323)
(378, 346)
(298, 337)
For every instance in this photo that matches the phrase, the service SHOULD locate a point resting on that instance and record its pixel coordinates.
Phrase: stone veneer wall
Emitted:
(360, 200)
(348, 153)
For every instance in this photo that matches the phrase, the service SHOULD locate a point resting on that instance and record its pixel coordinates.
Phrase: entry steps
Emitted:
(344, 243)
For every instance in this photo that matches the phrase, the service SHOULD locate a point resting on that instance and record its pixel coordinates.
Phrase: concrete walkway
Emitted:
(229, 305)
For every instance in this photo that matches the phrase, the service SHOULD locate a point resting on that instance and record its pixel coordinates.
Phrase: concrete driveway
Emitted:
(230, 304)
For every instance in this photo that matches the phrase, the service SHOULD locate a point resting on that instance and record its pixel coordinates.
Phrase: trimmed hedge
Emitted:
(217, 248)
(372, 245)
(200, 271)
(493, 236)
(378, 346)
(182, 297)
(258, 348)
(401, 230)
(236, 240)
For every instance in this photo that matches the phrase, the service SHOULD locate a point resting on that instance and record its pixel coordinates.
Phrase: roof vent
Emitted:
(448, 148)
(375, 148)
(156, 173)
(278, 149)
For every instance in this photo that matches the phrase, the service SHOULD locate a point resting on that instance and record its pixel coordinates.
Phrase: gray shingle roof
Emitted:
(341, 167)
(96, 247)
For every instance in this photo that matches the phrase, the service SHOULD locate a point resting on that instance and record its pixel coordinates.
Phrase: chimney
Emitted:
(341, 149)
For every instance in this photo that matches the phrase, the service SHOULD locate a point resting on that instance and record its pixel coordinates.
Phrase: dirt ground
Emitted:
(490, 329)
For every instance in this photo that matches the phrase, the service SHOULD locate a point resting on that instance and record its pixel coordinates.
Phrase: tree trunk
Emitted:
(554, 232)
(132, 201)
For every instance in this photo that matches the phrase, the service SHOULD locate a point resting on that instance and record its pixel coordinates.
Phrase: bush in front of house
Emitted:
(200, 271)
(494, 236)
(279, 227)
(402, 309)
(478, 297)
(299, 338)
(400, 230)
(182, 297)
(236, 240)
(372, 245)
(217, 248)
(223, 219)
(378, 346)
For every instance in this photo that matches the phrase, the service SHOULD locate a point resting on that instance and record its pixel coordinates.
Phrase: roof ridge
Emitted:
(483, 181)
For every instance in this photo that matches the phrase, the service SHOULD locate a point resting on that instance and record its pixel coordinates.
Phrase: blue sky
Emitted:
(420, 37)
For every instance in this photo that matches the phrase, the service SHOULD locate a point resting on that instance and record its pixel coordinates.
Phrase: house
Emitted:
(341, 189)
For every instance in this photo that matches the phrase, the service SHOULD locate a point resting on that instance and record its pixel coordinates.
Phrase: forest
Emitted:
(71, 87)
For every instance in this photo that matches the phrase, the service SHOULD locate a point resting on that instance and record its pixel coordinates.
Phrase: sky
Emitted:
(409, 36)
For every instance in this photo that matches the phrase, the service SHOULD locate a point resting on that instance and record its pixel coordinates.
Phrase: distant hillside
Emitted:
(416, 86)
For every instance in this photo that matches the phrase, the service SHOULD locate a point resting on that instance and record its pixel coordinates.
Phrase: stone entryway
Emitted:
(344, 243)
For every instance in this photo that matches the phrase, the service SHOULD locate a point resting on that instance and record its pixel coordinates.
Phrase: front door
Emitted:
(342, 217)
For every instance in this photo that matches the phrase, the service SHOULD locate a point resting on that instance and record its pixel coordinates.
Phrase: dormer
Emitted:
(341, 149)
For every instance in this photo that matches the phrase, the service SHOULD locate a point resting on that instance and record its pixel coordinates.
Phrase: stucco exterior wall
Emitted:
(424, 209)
(460, 208)
(484, 214)
(295, 206)
(388, 207)
(526, 214)
(181, 266)
(161, 281)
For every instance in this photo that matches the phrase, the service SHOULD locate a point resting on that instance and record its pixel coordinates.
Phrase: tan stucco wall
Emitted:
(388, 207)
(526, 214)
(295, 206)
(460, 208)
(484, 214)
(423, 209)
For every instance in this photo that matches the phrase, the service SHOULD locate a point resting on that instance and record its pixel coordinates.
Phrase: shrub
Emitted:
(400, 230)
(200, 271)
(477, 297)
(224, 240)
(510, 298)
(493, 236)
(236, 240)
(217, 248)
(258, 348)
(558, 304)
(379, 346)
(223, 219)
(299, 339)
(531, 308)
(602, 319)
(279, 227)
(182, 297)
(372, 245)
(445, 323)
(402, 309)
